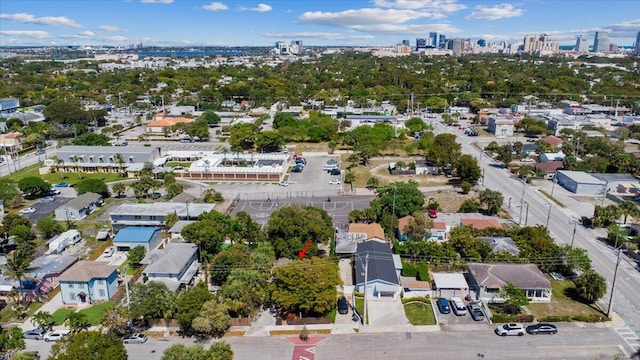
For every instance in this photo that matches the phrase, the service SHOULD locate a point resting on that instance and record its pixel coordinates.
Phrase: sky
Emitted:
(328, 22)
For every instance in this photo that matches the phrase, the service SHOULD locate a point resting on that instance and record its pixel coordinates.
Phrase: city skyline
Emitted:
(355, 23)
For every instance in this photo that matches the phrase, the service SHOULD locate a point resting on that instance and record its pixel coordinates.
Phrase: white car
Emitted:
(283, 183)
(48, 199)
(510, 329)
(28, 210)
(527, 160)
(335, 182)
(56, 335)
(108, 252)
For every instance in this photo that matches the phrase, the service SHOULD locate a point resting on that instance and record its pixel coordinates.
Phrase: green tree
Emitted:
(189, 303)
(467, 169)
(492, 200)
(34, 186)
(209, 232)
(217, 351)
(92, 139)
(211, 196)
(213, 319)
(243, 136)
(22, 234)
(119, 188)
(244, 229)
(465, 187)
(136, 255)
(305, 285)
(11, 339)
(117, 320)
(418, 226)
(152, 300)
(173, 190)
(223, 262)
(245, 290)
(350, 178)
(373, 182)
(7, 190)
(628, 208)
(515, 298)
(89, 345)
(11, 220)
(96, 186)
(590, 286)
(445, 151)
(199, 128)
(42, 319)
(171, 219)
(290, 227)
(399, 199)
(18, 264)
(468, 206)
(210, 117)
(65, 112)
(416, 125)
(77, 321)
(269, 141)
(49, 227)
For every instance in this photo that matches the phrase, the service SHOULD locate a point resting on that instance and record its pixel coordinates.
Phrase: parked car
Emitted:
(56, 335)
(335, 171)
(283, 183)
(39, 152)
(433, 213)
(458, 306)
(335, 182)
(329, 167)
(475, 310)
(108, 252)
(135, 339)
(48, 199)
(443, 306)
(35, 334)
(510, 329)
(472, 133)
(332, 162)
(297, 169)
(28, 210)
(61, 185)
(542, 328)
(343, 306)
(53, 192)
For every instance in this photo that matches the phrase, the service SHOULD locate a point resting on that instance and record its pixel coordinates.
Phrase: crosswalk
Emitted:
(629, 337)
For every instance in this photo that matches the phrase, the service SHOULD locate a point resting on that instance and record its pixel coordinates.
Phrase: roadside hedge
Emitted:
(502, 318)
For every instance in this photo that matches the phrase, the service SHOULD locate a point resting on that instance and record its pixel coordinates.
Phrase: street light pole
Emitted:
(526, 217)
(524, 184)
(366, 276)
(126, 285)
(554, 180)
(604, 192)
(573, 236)
(546, 225)
(613, 285)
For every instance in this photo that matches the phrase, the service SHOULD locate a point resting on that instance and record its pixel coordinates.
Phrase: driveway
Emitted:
(45, 208)
(386, 312)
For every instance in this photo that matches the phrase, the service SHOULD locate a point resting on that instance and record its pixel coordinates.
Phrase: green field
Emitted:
(58, 177)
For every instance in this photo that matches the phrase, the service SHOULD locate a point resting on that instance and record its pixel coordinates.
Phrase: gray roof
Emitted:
(178, 226)
(83, 201)
(162, 209)
(581, 177)
(51, 264)
(495, 276)
(381, 265)
(615, 177)
(83, 271)
(499, 243)
(139, 154)
(170, 260)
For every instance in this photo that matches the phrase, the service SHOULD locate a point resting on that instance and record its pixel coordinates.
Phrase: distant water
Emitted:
(187, 53)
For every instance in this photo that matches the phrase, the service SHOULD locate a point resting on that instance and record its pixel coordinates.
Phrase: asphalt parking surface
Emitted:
(453, 319)
(45, 208)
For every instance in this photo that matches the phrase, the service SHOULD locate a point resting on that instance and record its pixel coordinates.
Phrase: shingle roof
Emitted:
(499, 243)
(83, 271)
(373, 230)
(381, 265)
(552, 140)
(170, 260)
(495, 276)
(169, 121)
(83, 200)
(549, 166)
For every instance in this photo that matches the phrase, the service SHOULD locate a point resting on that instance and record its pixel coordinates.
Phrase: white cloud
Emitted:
(497, 12)
(108, 28)
(262, 8)
(156, 1)
(83, 35)
(362, 17)
(46, 20)
(215, 6)
(435, 5)
(116, 38)
(624, 29)
(315, 35)
(26, 33)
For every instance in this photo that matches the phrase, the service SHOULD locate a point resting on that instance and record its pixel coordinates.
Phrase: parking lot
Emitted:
(45, 208)
(453, 319)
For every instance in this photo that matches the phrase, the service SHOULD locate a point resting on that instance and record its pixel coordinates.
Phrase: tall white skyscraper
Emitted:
(601, 42)
(581, 44)
(638, 43)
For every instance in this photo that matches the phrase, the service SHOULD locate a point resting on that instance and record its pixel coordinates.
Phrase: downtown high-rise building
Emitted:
(601, 42)
(421, 44)
(433, 40)
(638, 43)
(540, 45)
(442, 41)
(582, 44)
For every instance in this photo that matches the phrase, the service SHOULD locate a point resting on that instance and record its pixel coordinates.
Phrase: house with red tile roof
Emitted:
(553, 141)
(161, 123)
(481, 223)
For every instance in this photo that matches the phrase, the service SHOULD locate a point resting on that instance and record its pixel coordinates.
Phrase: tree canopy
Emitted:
(34, 186)
(217, 351)
(399, 199)
(290, 227)
(97, 186)
(89, 345)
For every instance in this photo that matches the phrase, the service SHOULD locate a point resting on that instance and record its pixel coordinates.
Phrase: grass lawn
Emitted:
(58, 177)
(184, 164)
(60, 315)
(8, 315)
(94, 313)
(359, 305)
(562, 303)
(420, 313)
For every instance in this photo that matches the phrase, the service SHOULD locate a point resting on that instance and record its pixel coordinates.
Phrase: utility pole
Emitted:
(613, 285)
(554, 180)
(546, 225)
(575, 224)
(604, 192)
(524, 184)
(526, 217)
(126, 285)
(366, 278)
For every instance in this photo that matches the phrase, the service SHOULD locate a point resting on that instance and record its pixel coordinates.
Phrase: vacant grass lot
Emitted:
(564, 304)
(419, 313)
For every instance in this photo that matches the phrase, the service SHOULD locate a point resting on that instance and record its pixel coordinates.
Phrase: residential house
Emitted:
(373, 231)
(501, 243)
(163, 124)
(486, 280)
(129, 237)
(402, 223)
(176, 265)
(153, 214)
(88, 281)
(78, 208)
(10, 143)
(546, 157)
(481, 224)
(176, 230)
(448, 285)
(45, 274)
(383, 270)
(553, 141)
(549, 168)
(411, 287)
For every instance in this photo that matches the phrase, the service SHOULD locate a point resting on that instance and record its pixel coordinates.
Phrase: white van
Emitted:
(458, 307)
(329, 167)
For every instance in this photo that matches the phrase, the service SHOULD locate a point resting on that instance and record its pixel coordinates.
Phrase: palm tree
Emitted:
(77, 321)
(373, 182)
(225, 151)
(349, 178)
(627, 208)
(492, 200)
(119, 159)
(42, 319)
(18, 264)
(119, 188)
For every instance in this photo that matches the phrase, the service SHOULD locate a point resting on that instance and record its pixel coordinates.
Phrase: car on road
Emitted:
(433, 213)
(283, 183)
(35, 334)
(335, 182)
(527, 160)
(135, 339)
(61, 185)
(108, 252)
(53, 192)
(56, 335)
(443, 306)
(343, 306)
(512, 329)
(542, 328)
(476, 311)
(48, 199)
(39, 152)
(332, 162)
(28, 210)
(472, 133)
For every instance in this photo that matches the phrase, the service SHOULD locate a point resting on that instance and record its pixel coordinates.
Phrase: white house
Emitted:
(487, 280)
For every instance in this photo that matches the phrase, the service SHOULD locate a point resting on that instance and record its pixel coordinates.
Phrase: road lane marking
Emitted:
(593, 346)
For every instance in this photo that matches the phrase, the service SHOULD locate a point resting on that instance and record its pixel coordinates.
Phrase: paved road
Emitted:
(10, 166)
(571, 342)
(627, 291)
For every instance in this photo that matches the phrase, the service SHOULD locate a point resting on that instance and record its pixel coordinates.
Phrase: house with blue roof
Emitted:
(132, 236)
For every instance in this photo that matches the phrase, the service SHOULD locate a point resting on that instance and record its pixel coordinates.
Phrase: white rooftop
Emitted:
(450, 281)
